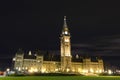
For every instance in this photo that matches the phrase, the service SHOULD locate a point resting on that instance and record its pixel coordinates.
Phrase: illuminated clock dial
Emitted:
(66, 32)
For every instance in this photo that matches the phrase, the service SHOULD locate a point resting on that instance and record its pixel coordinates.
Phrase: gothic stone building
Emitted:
(66, 63)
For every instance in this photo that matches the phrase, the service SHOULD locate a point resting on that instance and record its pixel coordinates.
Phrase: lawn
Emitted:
(62, 78)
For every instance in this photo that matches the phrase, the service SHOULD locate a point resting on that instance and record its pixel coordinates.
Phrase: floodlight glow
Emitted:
(26, 68)
(73, 70)
(19, 69)
(85, 71)
(16, 67)
(56, 69)
(100, 71)
(31, 70)
(91, 70)
(7, 69)
(68, 70)
(43, 70)
(14, 59)
(35, 70)
(96, 71)
(109, 72)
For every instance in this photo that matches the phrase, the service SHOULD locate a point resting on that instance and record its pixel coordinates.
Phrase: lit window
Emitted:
(66, 40)
(16, 67)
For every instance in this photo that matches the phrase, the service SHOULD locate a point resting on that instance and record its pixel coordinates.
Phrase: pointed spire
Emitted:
(65, 29)
(65, 24)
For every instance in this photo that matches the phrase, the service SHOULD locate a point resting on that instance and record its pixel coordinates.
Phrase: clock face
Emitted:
(66, 32)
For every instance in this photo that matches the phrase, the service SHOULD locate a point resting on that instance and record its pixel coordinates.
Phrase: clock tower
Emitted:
(65, 48)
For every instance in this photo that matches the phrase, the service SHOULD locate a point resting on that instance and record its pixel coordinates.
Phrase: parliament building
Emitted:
(64, 63)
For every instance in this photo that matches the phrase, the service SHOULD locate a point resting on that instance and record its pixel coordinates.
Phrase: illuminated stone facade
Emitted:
(36, 62)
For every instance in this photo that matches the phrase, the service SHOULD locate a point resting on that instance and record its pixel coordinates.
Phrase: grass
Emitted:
(62, 78)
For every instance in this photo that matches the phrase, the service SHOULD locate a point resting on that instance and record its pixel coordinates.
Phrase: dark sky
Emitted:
(31, 24)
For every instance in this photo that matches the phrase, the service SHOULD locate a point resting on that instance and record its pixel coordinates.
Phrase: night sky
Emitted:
(29, 24)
